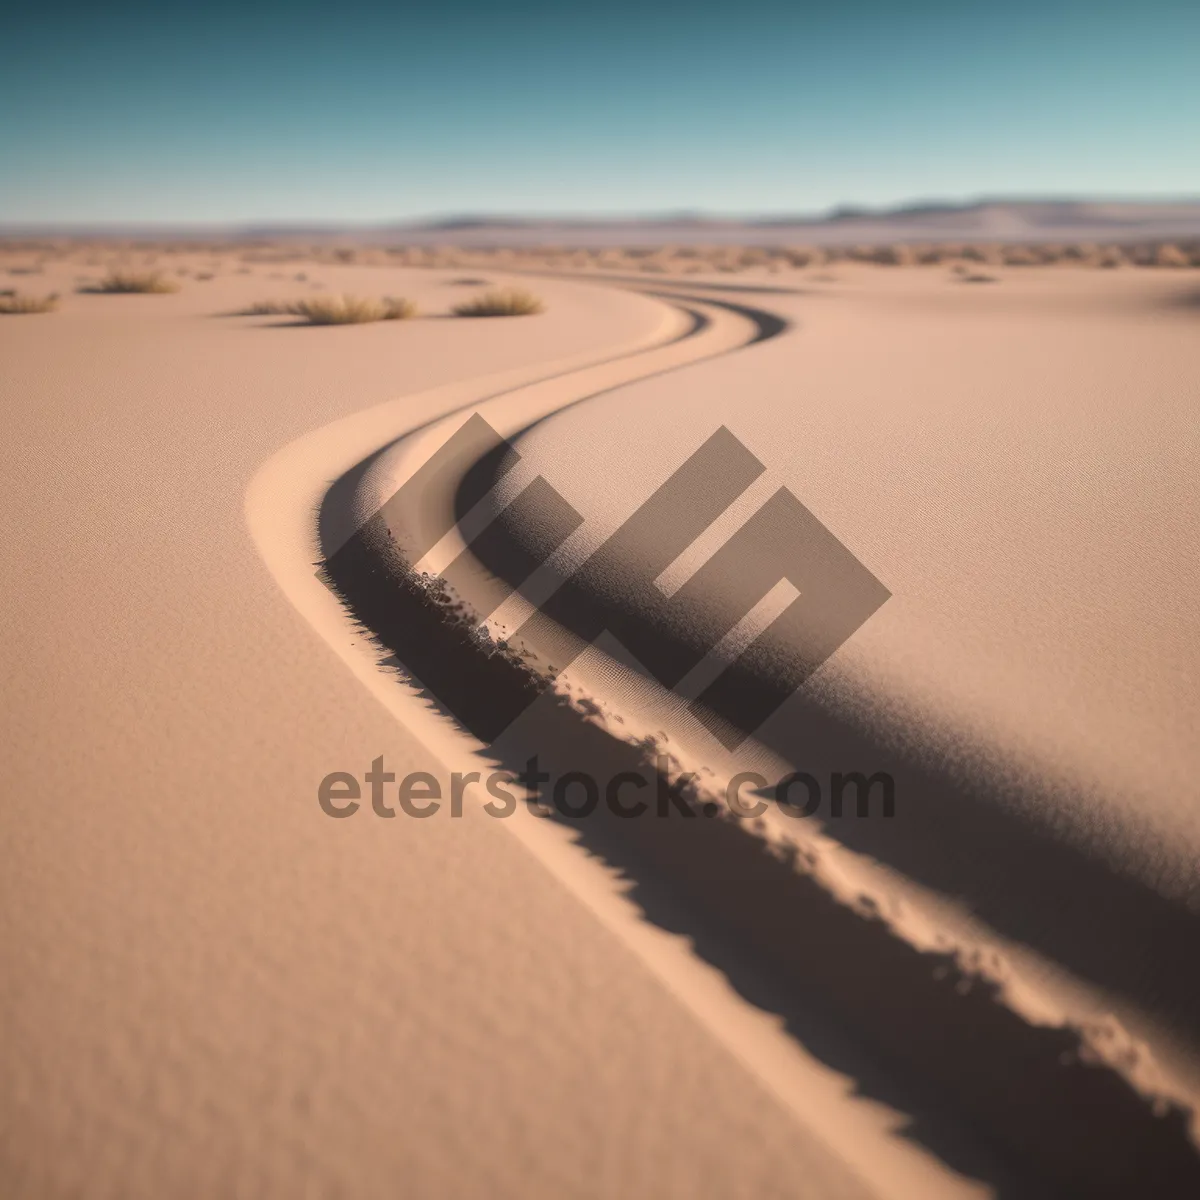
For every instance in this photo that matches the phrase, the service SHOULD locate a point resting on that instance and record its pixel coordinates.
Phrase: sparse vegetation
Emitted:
(127, 283)
(899, 255)
(13, 303)
(503, 302)
(351, 310)
(1169, 255)
(264, 308)
(299, 267)
(335, 310)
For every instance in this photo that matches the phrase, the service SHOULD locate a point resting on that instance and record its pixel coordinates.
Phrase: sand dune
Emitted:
(1036, 649)
(990, 832)
(219, 989)
(211, 988)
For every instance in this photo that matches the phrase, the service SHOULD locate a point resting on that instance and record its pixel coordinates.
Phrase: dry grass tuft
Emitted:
(804, 256)
(264, 308)
(128, 283)
(335, 310)
(504, 302)
(350, 310)
(13, 303)
(1168, 255)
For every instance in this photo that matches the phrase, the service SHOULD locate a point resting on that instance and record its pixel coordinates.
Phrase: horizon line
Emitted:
(450, 219)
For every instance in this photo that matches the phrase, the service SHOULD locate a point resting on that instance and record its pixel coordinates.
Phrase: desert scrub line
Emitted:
(132, 283)
(356, 310)
(334, 310)
(577, 794)
(14, 303)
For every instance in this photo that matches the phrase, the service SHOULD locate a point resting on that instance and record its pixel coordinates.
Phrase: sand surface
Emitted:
(213, 988)
(210, 988)
(1075, 893)
(1019, 465)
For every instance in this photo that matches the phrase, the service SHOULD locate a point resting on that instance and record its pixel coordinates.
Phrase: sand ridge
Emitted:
(217, 833)
(1099, 1040)
(211, 988)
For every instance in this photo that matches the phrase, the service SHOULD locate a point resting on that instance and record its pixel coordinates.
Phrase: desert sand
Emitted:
(212, 987)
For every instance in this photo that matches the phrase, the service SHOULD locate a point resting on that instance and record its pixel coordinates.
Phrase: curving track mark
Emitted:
(381, 584)
(783, 938)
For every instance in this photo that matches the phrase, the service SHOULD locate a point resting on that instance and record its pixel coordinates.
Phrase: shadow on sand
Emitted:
(866, 1001)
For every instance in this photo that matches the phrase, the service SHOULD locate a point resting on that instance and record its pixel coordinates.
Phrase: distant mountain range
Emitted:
(984, 220)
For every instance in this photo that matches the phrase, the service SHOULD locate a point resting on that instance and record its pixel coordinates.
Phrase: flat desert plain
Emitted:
(218, 593)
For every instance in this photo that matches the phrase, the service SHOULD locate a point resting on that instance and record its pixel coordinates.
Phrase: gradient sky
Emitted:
(148, 112)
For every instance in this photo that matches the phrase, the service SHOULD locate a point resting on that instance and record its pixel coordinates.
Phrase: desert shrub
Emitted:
(351, 310)
(1085, 254)
(335, 310)
(503, 302)
(1020, 256)
(13, 303)
(1051, 253)
(985, 253)
(936, 253)
(264, 308)
(725, 258)
(1168, 255)
(929, 255)
(899, 255)
(118, 282)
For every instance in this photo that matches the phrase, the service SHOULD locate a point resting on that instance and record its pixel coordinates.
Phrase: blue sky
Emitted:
(365, 113)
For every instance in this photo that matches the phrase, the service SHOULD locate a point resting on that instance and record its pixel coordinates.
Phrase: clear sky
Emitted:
(346, 111)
